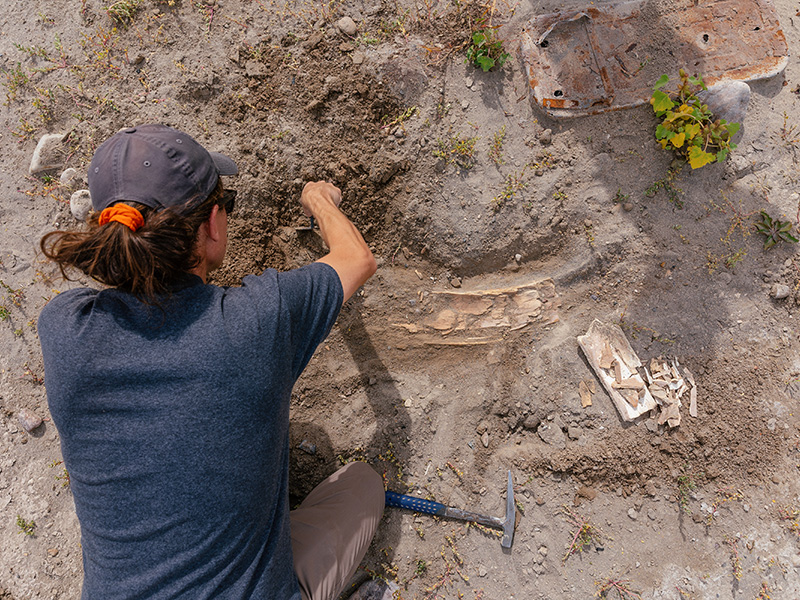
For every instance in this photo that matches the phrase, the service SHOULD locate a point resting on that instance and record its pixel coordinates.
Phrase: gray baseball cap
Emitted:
(155, 165)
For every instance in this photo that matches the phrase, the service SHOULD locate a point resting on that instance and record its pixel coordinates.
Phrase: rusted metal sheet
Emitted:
(608, 56)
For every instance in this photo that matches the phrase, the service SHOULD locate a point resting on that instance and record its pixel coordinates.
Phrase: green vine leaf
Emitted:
(661, 102)
(699, 158)
(662, 81)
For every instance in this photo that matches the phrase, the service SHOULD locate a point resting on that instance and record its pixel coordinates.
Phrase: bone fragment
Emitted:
(631, 383)
(606, 356)
(586, 394)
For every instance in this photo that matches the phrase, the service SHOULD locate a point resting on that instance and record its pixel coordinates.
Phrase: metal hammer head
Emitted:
(511, 516)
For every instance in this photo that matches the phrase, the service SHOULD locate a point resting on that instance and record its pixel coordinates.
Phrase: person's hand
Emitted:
(316, 191)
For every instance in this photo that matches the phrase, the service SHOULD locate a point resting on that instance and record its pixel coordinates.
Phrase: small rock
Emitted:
(776, 480)
(28, 419)
(482, 572)
(255, 68)
(651, 514)
(746, 507)
(455, 282)
(780, 291)
(551, 434)
(465, 104)
(468, 82)
(633, 514)
(485, 439)
(546, 137)
(539, 501)
(627, 207)
(357, 57)
(727, 100)
(307, 447)
(50, 153)
(518, 257)
(52, 552)
(586, 492)
(68, 176)
(652, 425)
(543, 550)
(772, 423)
(80, 204)
(574, 433)
(348, 27)
(796, 561)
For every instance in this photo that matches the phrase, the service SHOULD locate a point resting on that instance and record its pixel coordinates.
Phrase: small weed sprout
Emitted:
(458, 150)
(687, 126)
(621, 586)
(584, 536)
(15, 79)
(513, 184)
(790, 136)
(666, 184)
(31, 375)
(63, 476)
(774, 230)
(791, 515)
(486, 50)
(723, 495)
(620, 198)
(496, 149)
(764, 593)
(122, 12)
(26, 527)
(400, 120)
(736, 562)
(687, 483)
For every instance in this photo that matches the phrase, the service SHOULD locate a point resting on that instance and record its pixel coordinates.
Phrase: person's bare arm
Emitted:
(348, 253)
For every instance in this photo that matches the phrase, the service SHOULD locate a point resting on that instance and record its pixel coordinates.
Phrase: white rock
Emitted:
(49, 153)
(780, 291)
(80, 203)
(68, 176)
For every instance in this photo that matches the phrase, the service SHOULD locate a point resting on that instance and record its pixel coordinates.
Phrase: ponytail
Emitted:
(144, 262)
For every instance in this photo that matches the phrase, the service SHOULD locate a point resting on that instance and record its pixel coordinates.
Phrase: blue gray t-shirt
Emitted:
(174, 430)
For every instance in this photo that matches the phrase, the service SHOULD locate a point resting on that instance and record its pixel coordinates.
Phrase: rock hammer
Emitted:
(435, 508)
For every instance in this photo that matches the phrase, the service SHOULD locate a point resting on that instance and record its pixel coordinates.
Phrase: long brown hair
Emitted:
(145, 262)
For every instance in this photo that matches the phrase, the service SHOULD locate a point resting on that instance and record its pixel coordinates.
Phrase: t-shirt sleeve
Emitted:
(308, 302)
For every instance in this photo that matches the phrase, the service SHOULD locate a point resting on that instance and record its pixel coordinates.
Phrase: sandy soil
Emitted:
(692, 512)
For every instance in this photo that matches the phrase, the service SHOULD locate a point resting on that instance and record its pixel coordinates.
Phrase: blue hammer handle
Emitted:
(415, 504)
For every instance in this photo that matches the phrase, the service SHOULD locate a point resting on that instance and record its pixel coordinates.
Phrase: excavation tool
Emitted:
(435, 508)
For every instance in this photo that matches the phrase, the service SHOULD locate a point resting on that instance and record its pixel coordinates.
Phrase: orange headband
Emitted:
(122, 213)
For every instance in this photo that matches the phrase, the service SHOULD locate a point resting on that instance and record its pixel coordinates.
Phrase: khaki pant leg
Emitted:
(333, 527)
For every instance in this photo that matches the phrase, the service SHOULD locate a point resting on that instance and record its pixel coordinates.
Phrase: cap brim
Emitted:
(224, 164)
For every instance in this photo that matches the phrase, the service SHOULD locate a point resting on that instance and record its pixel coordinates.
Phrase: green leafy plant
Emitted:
(486, 50)
(774, 230)
(687, 126)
